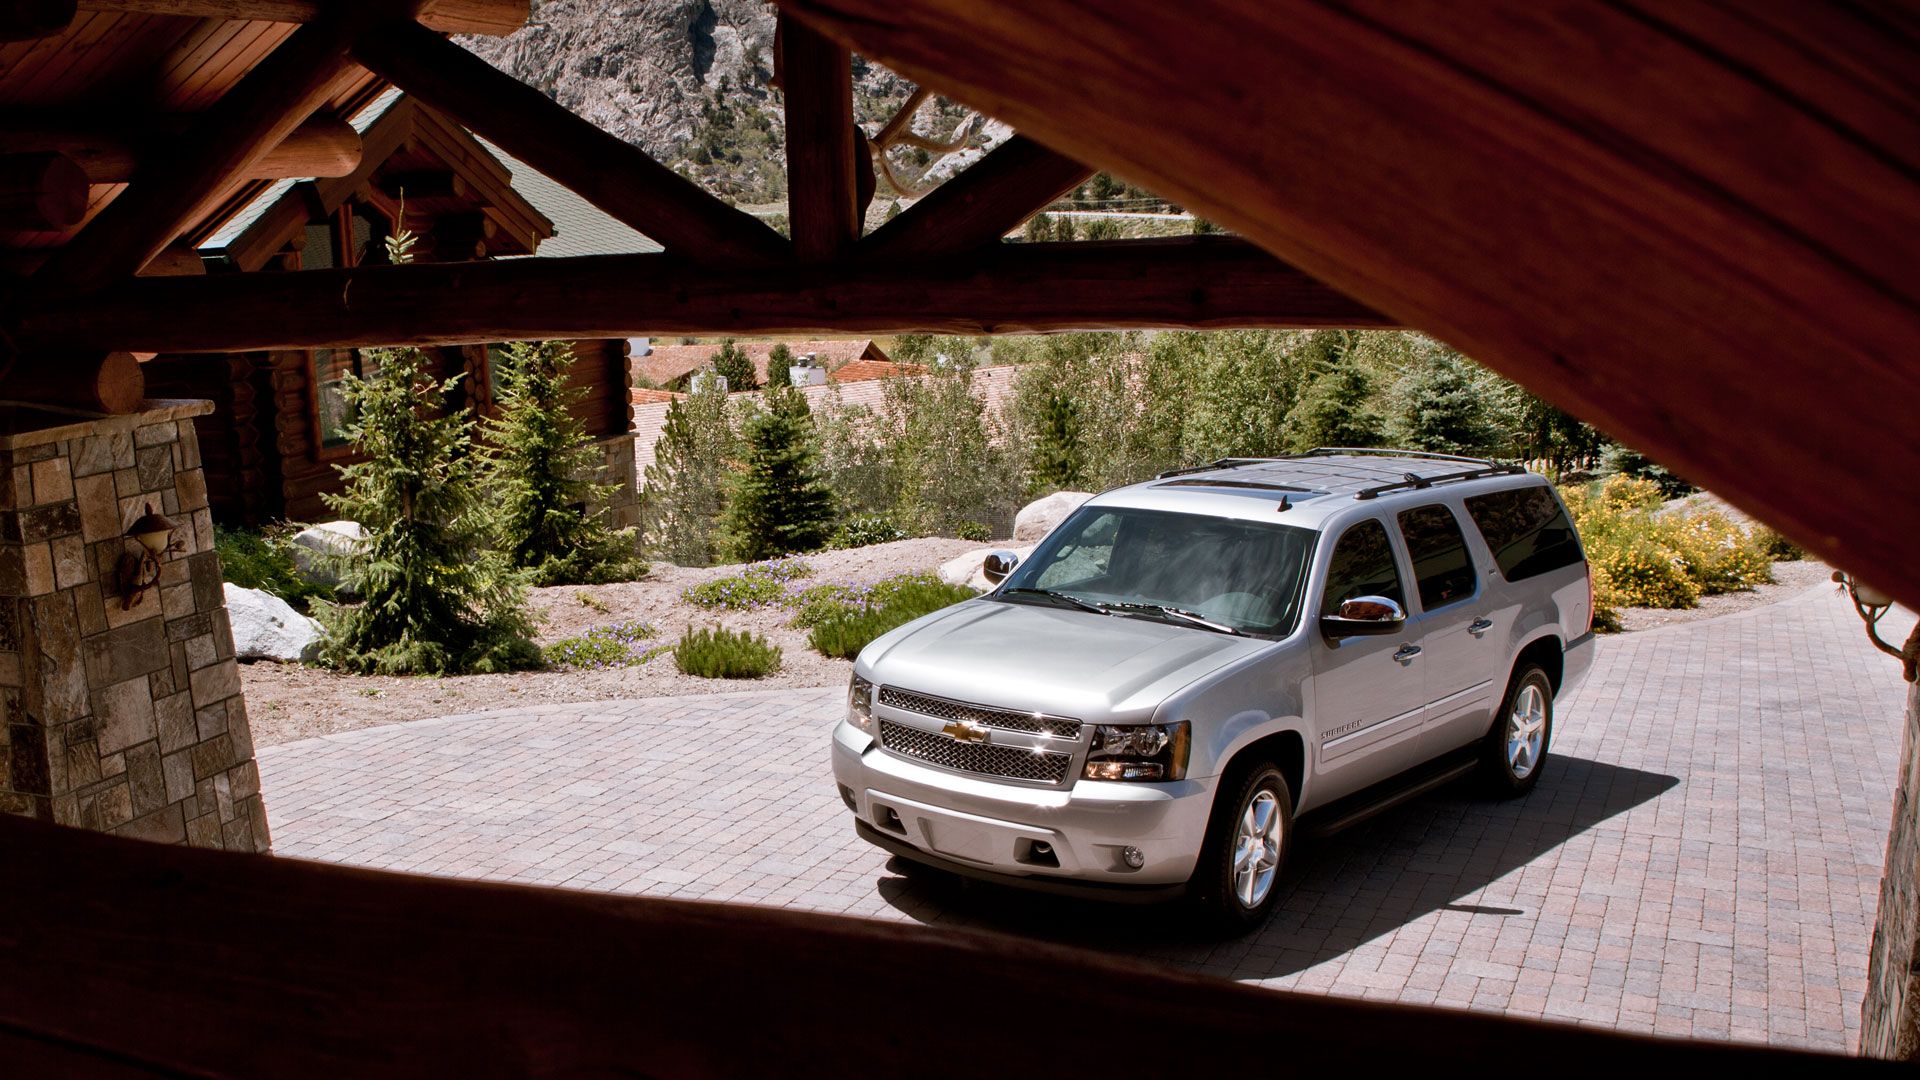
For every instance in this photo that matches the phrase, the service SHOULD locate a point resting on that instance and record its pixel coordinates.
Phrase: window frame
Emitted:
(1395, 547)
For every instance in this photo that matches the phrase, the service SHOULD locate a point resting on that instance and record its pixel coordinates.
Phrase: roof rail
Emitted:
(1415, 481)
(1329, 451)
(1223, 463)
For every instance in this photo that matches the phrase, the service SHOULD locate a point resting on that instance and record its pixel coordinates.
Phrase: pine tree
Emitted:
(1442, 407)
(538, 476)
(779, 361)
(1057, 454)
(435, 599)
(1334, 410)
(685, 487)
(732, 363)
(780, 502)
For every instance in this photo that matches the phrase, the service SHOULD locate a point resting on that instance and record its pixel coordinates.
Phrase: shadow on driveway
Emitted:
(1337, 893)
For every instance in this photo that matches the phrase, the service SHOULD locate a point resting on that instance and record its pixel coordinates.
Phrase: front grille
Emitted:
(943, 709)
(1009, 761)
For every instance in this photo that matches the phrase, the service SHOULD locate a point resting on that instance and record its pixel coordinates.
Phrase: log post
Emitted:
(42, 190)
(816, 78)
(491, 18)
(30, 20)
(324, 146)
(100, 382)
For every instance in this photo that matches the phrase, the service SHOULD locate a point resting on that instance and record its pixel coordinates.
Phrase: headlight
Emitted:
(1138, 752)
(860, 703)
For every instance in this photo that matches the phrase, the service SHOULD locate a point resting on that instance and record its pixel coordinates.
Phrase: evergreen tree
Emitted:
(779, 361)
(539, 473)
(1442, 408)
(1334, 410)
(684, 491)
(1039, 229)
(1535, 430)
(1057, 462)
(434, 598)
(780, 502)
(1103, 229)
(733, 364)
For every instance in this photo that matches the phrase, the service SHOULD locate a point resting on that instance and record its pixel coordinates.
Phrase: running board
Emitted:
(1378, 799)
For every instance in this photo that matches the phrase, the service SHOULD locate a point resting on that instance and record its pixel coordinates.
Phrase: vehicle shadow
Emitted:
(1337, 893)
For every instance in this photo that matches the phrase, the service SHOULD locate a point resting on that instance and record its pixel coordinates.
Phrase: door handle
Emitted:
(1479, 627)
(1406, 654)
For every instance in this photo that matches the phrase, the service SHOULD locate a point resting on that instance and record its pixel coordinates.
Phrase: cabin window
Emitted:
(330, 368)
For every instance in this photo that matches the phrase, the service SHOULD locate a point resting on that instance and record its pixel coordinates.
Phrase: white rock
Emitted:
(1037, 518)
(969, 570)
(330, 538)
(265, 627)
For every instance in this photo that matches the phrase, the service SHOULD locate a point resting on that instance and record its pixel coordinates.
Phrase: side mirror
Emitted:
(998, 565)
(1362, 616)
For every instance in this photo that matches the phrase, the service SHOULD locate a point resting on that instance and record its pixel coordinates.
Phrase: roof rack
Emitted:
(1223, 463)
(1329, 451)
(1416, 481)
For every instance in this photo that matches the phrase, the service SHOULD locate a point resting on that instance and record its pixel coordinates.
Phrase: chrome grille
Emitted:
(943, 709)
(1009, 761)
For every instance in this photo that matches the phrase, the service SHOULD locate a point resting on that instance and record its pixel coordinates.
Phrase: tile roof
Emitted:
(669, 363)
(640, 395)
(863, 370)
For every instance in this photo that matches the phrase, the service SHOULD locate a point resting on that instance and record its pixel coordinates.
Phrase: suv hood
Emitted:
(1050, 659)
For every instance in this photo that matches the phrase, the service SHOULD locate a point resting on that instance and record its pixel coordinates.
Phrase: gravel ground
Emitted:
(290, 701)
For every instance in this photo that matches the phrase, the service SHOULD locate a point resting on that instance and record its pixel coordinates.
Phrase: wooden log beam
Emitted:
(30, 20)
(118, 951)
(179, 260)
(425, 184)
(101, 382)
(492, 18)
(613, 175)
(981, 205)
(41, 191)
(322, 146)
(1633, 241)
(1190, 282)
(170, 194)
(816, 81)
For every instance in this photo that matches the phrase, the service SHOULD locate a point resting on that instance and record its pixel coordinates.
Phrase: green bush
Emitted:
(974, 531)
(602, 647)
(754, 587)
(815, 604)
(841, 625)
(867, 529)
(725, 654)
(264, 561)
(1777, 547)
(844, 634)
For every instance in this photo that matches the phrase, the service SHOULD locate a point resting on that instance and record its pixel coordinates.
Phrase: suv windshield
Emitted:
(1244, 575)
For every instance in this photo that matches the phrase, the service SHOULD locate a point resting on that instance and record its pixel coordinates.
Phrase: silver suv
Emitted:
(1184, 667)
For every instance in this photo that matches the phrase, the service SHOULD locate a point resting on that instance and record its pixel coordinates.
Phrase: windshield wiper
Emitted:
(1177, 613)
(1057, 596)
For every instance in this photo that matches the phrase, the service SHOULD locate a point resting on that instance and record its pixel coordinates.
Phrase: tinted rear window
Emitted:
(1527, 529)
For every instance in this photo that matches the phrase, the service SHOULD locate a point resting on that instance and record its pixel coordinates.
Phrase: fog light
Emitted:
(1132, 857)
(1041, 847)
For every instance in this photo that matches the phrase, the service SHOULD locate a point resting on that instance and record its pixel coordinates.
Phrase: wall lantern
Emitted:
(152, 537)
(1872, 605)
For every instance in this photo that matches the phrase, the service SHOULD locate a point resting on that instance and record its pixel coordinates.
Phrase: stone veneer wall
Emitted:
(1890, 1015)
(127, 721)
(623, 506)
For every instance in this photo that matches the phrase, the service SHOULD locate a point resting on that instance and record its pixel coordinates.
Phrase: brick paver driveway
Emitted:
(1702, 857)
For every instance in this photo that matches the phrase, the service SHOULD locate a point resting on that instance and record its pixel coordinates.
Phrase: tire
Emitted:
(1511, 762)
(1219, 885)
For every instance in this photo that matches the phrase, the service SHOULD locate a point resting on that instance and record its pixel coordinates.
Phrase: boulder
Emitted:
(967, 569)
(1037, 518)
(266, 627)
(311, 548)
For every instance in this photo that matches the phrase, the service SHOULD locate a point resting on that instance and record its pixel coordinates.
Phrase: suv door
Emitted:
(1368, 692)
(1459, 655)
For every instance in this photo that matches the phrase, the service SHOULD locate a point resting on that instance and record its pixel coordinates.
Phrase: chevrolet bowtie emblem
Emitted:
(965, 731)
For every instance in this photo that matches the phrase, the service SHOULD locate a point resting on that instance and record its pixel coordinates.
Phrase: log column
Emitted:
(125, 718)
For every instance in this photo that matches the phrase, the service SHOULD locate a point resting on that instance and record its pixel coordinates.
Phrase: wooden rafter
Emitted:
(1188, 282)
(1629, 240)
(816, 80)
(979, 206)
(112, 154)
(613, 175)
(28, 20)
(168, 195)
(494, 18)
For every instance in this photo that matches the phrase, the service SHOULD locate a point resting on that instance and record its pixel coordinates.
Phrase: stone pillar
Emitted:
(617, 468)
(1890, 1015)
(122, 719)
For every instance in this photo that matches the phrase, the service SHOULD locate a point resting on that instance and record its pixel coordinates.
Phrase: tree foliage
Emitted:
(779, 364)
(944, 459)
(779, 502)
(732, 363)
(684, 490)
(539, 476)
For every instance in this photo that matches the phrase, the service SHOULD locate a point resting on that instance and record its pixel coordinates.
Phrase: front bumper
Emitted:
(1024, 834)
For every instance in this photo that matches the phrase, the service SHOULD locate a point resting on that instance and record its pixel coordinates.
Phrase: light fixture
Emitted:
(1872, 605)
(139, 570)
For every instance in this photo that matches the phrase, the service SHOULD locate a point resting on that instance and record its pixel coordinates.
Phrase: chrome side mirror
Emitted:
(997, 565)
(1364, 615)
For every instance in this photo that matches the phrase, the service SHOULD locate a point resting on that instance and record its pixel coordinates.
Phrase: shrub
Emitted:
(779, 501)
(1719, 555)
(816, 604)
(843, 625)
(725, 654)
(1640, 571)
(1777, 547)
(974, 531)
(602, 647)
(685, 489)
(756, 586)
(732, 363)
(867, 529)
(264, 561)
(1643, 559)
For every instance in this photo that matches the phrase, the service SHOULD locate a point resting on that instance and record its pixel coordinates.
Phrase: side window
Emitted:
(1362, 565)
(1526, 529)
(1441, 570)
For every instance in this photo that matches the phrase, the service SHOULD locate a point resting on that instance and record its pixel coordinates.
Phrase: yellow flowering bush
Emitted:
(1639, 559)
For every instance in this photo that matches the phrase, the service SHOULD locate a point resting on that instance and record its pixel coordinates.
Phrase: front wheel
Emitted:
(1247, 843)
(1516, 746)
